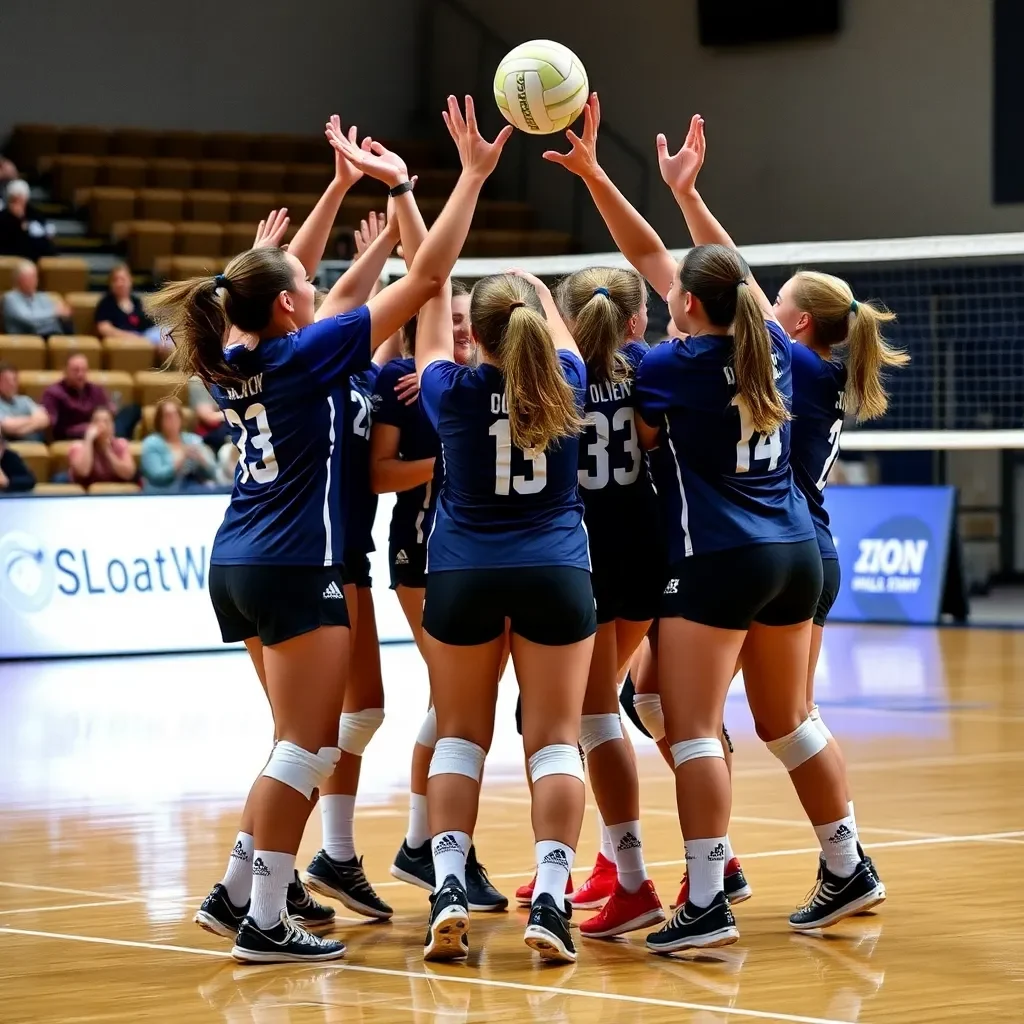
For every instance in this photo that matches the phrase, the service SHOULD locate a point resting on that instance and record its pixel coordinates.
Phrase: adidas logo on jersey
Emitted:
(841, 835)
(447, 844)
(333, 592)
(557, 857)
(628, 842)
(401, 558)
(259, 868)
(239, 852)
(718, 853)
(672, 587)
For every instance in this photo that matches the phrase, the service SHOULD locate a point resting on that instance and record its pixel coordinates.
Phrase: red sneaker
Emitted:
(737, 888)
(625, 912)
(595, 892)
(524, 894)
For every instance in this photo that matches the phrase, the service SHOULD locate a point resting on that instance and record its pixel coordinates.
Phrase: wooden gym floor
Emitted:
(120, 782)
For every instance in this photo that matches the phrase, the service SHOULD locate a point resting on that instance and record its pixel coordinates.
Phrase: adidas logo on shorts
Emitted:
(447, 844)
(401, 558)
(628, 842)
(333, 592)
(259, 868)
(672, 587)
(239, 852)
(718, 853)
(841, 835)
(557, 857)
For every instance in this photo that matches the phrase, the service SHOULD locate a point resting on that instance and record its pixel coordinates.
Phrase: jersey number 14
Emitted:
(767, 448)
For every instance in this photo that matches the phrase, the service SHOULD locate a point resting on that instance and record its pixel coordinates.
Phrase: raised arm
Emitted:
(355, 286)
(679, 171)
(560, 334)
(633, 236)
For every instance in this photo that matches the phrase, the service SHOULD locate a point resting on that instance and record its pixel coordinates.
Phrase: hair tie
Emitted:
(515, 305)
(854, 306)
(601, 291)
(220, 281)
(742, 280)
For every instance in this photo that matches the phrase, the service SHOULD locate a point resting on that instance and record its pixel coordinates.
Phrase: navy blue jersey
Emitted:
(285, 415)
(819, 404)
(615, 482)
(732, 486)
(500, 506)
(414, 509)
(360, 503)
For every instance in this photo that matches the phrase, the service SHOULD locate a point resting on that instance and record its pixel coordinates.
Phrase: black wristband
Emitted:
(405, 186)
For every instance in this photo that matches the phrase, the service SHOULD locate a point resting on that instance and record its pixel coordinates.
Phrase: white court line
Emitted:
(120, 897)
(68, 906)
(516, 986)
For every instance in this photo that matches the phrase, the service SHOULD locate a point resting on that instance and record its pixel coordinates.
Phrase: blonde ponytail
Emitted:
(752, 361)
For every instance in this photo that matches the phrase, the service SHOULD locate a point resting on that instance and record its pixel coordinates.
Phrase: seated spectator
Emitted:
(100, 457)
(120, 314)
(8, 172)
(211, 425)
(20, 418)
(27, 310)
(173, 460)
(72, 401)
(23, 230)
(15, 476)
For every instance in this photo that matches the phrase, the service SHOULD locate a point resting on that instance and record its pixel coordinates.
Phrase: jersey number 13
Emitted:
(536, 461)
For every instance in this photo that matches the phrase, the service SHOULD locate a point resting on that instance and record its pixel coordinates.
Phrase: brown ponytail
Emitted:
(197, 314)
(716, 275)
(836, 318)
(509, 323)
(598, 304)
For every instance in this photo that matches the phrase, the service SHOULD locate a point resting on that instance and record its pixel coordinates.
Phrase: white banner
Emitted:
(127, 575)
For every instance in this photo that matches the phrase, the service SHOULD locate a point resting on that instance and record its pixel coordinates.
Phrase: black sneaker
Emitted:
(285, 943)
(835, 897)
(448, 927)
(871, 867)
(345, 880)
(548, 930)
(219, 915)
(482, 895)
(415, 866)
(693, 927)
(737, 888)
(305, 910)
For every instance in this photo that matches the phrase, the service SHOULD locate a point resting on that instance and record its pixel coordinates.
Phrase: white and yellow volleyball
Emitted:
(541, 87)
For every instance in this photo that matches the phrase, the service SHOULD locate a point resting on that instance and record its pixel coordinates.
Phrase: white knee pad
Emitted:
(799, 746)
(356, 729)
(557, 759)
(598, 729)
(301, 769)
(815, 717)
(648, 710)
(427, 736)
(690, 750)
(453, 756)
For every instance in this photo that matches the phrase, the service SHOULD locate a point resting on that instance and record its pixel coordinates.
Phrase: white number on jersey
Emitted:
(833, 437)
(265, 473)
(598, 451)
(502, 434)
(361, 423)
(768, 446)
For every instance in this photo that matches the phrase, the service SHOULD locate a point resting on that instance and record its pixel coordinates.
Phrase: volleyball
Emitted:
(541, 87)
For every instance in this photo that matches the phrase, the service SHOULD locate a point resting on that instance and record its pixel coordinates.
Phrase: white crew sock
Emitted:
(238, 876)
(450, 850)
(604, 838)
(419, 831)
(629, 855)
(271, 875)
(839, 845)
(705, 869)
(554, 865)
(853, 818)
(337, 812)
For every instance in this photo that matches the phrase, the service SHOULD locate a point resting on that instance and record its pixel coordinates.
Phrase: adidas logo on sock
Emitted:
(447, 844)
(841, 835)
(557, 857)
(718, 853)
(628, 842)
(259, 868)
(333, 591)
(239, 852)
(401, 558)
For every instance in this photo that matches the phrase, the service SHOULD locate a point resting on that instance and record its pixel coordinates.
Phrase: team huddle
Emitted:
(597, 510)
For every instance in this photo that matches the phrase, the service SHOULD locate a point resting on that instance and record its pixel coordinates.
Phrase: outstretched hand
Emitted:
(346, 173)
(271, 231)
(679, 170)
(368, 158)
(478, 156)
(582, 157)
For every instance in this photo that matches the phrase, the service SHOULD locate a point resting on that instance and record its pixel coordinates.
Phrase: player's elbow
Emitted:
(428, 283)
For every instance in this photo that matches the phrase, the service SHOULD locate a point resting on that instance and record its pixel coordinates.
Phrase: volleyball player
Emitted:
(275, 574)
(745, 572)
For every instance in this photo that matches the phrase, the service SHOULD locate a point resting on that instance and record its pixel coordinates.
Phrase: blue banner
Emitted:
(893, 545)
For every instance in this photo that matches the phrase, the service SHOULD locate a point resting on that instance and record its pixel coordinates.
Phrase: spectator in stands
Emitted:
(227, 463)
(27, 310)
(20, 418)
(71, 403)
(100, 457)
(23, 230)
(210, 423)
(172, 459)
(15, 476)
(120, 313)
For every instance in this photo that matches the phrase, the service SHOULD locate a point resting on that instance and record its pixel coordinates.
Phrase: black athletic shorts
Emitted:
(356, 570)
(408, 564)
(545, 604)
(829, 589)
(276, 602)
(772, 584)
(626, 695)
(627, 583)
